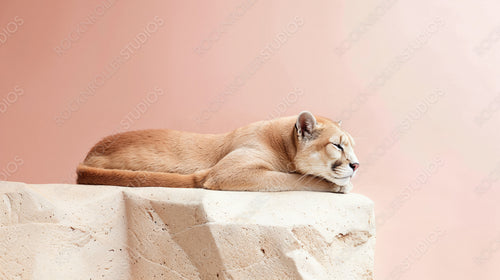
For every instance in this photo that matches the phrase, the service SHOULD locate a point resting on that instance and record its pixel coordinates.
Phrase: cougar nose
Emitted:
(354, 166)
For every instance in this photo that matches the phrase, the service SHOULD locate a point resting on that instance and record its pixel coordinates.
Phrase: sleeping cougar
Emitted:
(284, 154)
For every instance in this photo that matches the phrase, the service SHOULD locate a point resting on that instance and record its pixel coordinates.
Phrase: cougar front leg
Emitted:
(244, 170)
(265, 180)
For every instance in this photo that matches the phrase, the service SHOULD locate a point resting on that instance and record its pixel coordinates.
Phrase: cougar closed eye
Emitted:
(338, 146)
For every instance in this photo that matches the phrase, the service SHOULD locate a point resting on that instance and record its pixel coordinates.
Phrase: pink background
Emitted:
(415, 82)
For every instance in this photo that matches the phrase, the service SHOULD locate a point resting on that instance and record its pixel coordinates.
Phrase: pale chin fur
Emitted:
(345, 185)
(342, 182)
(344, 177)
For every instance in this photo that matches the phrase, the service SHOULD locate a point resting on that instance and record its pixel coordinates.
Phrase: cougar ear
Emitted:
(306, 123)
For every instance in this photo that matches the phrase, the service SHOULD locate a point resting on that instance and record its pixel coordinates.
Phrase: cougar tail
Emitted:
(116, 177)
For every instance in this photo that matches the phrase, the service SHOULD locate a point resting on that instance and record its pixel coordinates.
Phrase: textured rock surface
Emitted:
(105, 232)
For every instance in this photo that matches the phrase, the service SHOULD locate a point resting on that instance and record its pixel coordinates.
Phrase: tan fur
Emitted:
(292, 153)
